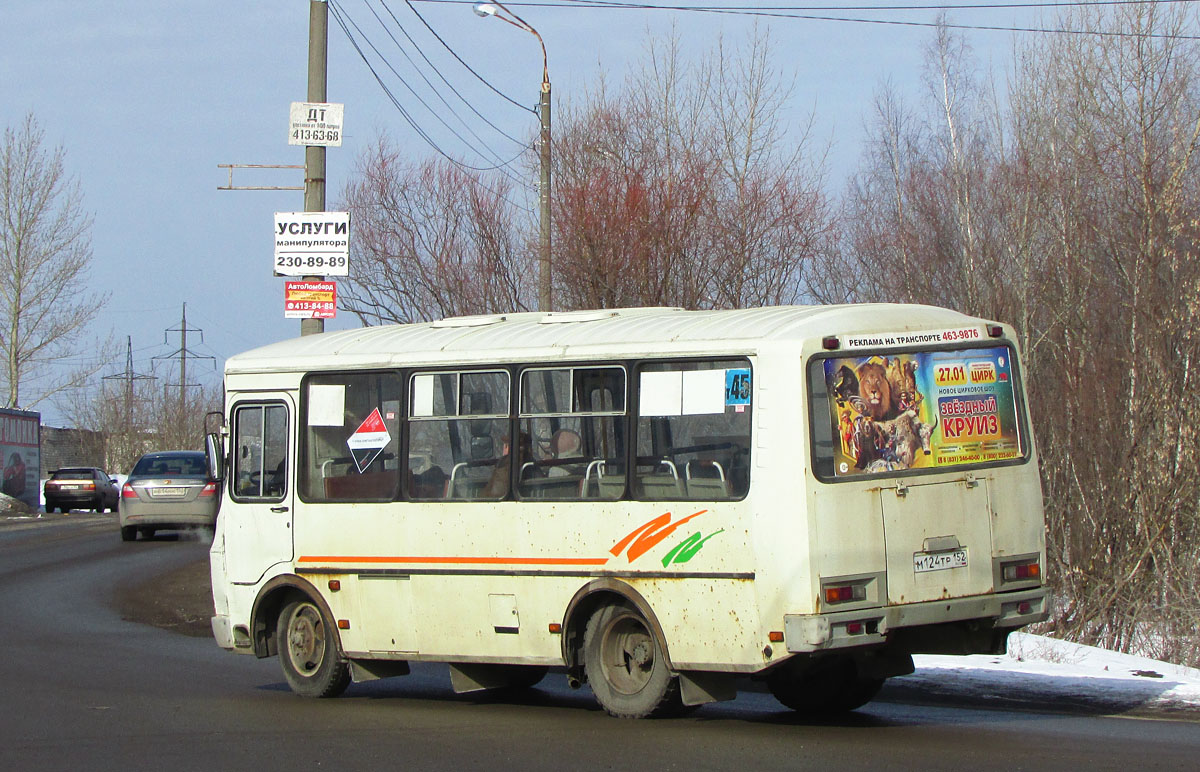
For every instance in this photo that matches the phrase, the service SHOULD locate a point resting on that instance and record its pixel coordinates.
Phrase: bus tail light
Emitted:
(1020, 572)
(845, 593)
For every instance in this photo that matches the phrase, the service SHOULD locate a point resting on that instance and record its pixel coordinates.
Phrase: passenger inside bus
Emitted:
(497, 485)
(564, 444)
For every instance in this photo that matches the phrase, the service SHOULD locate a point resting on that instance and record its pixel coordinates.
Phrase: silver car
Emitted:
(168, 490)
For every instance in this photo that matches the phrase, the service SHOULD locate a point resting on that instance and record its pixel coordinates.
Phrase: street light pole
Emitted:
(544, 298)
(544, 195)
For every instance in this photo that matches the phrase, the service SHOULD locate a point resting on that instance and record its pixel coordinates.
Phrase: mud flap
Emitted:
(697, 688)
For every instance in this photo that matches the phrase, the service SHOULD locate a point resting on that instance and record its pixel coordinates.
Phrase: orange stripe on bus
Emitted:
(451, 560)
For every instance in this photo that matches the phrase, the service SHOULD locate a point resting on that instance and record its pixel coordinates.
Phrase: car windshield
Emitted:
(72, 474)
(191, 465)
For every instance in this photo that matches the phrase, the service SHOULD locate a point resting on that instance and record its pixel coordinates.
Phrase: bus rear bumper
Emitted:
(807, 633)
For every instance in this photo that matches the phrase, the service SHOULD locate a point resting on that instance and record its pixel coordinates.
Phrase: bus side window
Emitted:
(351, 437)
(693, 431)
(458, 424)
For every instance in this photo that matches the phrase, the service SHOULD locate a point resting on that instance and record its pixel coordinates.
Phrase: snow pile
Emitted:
(1041, 672)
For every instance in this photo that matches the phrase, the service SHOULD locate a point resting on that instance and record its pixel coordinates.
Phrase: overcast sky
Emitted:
(148, 97)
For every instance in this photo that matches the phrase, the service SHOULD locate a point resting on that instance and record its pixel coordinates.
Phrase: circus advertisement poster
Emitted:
(918, 410)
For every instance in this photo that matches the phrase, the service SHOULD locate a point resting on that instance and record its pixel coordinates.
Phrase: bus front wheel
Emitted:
(833, 687)
(625, 665)
(308, 651)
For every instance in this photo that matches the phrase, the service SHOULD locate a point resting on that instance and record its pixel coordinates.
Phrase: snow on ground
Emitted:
(1044, 672)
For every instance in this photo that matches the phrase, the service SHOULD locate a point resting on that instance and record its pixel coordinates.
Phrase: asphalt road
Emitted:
(83, 688)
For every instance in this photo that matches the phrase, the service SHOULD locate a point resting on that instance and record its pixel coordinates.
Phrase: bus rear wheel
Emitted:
(625, 664)
(824, 689)
(308, 651)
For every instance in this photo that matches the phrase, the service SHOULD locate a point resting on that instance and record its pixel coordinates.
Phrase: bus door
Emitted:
(258, 513)
(939, 539)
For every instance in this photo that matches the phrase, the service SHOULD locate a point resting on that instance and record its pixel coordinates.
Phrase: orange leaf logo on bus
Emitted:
(645, 537)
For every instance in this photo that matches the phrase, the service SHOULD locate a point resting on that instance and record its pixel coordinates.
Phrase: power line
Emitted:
(338, 16)
(502, 162)
(335, 10)
(777, 12)
(446, 45)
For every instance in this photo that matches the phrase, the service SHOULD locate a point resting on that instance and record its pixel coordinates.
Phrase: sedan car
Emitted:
(80, 488)
(168, 490)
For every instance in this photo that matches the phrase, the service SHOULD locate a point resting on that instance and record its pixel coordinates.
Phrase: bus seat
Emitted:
(661, 486)
(709, 488)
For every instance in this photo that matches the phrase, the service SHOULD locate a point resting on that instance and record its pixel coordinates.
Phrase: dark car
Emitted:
(168, 490)
(82, 487)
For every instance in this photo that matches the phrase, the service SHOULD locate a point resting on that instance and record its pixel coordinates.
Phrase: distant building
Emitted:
(71, 447)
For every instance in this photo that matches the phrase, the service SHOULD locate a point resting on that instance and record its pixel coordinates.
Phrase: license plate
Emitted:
(939, 561)
(68, 487)
(168, 493)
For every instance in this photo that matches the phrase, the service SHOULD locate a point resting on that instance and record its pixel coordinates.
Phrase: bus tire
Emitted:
(309, 652)
(832, 688)
(625, 665)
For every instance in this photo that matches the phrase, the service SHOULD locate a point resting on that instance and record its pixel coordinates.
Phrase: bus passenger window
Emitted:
(458, 427)
(575, 419)
(693, 431)
(351, 437)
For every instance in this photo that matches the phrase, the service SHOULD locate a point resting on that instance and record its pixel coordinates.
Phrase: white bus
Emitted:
(658, 503)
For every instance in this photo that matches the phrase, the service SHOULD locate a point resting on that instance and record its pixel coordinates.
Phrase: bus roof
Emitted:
(584, 335)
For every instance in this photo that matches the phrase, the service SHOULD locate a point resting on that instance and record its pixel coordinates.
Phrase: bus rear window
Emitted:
(882, 413)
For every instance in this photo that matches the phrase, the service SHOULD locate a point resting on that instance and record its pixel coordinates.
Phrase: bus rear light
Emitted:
(1017, 572)
(830, 343)
(209, 490)
(775, 636)
(854, 628)
(335, 585)
(555, 628)
(127, 492)
(994, 330)
(845, 593)
(343, 624)
(1024, 607)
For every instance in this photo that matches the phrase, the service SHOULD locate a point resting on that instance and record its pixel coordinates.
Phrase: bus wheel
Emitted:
(625, 665)
(308, 651)
(834, 687)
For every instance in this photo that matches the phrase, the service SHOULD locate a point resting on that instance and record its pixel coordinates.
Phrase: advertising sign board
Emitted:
(312, 243)
(922, 409)
(310, 300)
(315, 124)
(20, 454)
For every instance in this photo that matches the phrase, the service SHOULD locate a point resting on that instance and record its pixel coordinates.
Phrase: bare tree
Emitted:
(123, 425)
(1069, 210)
(45, 256)
(686, 187)
(431, 240)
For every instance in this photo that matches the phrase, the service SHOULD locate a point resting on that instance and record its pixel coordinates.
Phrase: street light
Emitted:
(504, 14)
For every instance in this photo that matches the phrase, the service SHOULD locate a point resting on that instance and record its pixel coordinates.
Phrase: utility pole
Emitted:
(314, 155)
(129, 376)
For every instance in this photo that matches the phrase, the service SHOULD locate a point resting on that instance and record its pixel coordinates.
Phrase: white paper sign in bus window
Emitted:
(661, 394)
(326, 404)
